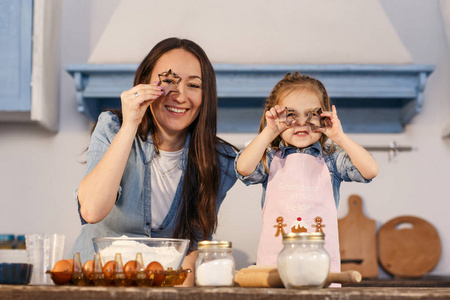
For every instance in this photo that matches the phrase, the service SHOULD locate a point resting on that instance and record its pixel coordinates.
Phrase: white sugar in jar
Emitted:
(215, 264)
(303, 263)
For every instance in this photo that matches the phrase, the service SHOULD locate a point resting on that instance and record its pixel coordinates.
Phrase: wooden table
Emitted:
(426, 281)
(19, 292)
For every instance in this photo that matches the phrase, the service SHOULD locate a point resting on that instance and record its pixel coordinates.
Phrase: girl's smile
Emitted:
(301, 133)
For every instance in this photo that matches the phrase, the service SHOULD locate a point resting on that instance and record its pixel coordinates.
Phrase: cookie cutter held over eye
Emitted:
(315, 120)
(287, 116)
(169, 82)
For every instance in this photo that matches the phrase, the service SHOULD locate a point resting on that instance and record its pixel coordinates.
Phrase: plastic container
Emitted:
(116, 273)
(14, 267)
(303, 263)
(215, 264)
(15, 273)
(43, 251)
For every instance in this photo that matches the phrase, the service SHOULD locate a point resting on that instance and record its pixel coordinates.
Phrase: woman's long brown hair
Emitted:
(197, 213)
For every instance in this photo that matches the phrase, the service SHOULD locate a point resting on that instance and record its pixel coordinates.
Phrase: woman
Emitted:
(156, 168)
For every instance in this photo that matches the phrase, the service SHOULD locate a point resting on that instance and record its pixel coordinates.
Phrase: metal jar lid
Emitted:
(304, 236)
(214, 245)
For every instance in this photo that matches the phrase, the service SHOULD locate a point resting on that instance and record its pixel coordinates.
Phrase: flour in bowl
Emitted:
(168, 257)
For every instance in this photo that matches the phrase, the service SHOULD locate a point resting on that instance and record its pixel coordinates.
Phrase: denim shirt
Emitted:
(339, 164)
(131, 214)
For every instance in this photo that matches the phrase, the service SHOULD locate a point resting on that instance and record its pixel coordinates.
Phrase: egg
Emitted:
(130, 269)
(88, 268)
(109, 269)
(70, 261)
(157, 269)
(62, 272)
(62, 266)
(154, 266)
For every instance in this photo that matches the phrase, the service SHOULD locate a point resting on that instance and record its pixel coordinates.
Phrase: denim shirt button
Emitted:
(161, 228)
(147, 223)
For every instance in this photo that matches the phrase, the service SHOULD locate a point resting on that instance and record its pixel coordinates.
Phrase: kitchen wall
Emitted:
(255, 32)
(40, 170)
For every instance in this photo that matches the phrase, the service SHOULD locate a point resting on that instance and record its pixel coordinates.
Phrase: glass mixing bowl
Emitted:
(168, 252)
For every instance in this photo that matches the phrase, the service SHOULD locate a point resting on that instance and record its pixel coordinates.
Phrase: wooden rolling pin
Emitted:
(267, 276)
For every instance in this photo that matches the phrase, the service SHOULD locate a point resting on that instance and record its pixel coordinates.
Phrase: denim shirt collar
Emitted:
(149, 152)
(315, 150)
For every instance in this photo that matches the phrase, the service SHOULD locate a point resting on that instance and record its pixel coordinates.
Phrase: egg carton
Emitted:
(115, 273)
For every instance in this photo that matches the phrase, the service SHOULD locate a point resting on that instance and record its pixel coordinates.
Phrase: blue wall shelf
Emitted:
(369, 98)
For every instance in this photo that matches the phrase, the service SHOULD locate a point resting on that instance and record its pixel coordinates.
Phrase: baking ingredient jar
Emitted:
(215, 264)
(303, 263)
(20, 242)
(7, 241)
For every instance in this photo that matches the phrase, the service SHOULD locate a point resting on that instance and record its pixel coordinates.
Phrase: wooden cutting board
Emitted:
(357, 240)
(408, 247)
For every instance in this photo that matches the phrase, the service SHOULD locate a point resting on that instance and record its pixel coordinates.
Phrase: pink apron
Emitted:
(299, 198)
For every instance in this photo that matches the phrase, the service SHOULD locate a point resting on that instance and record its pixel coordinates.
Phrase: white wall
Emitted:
(40, 170)
(255, 31)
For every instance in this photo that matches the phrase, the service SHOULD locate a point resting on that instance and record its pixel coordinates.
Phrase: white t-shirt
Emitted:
(165, 177)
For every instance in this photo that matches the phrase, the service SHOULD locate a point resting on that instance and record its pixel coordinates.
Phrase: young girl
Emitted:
(301, 173)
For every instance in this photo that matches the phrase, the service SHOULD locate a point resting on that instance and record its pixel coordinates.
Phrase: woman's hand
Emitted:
(335, 131)
(135, 102)
(276, 119)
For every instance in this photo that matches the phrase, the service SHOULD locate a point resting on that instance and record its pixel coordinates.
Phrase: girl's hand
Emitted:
(335, 131)
(361, 159)
(276, 119)
(136, 100)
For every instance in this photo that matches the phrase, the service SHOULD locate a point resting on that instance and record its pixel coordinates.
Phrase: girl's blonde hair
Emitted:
(287, 85)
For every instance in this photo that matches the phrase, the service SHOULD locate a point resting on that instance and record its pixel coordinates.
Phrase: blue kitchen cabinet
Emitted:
(16, 30)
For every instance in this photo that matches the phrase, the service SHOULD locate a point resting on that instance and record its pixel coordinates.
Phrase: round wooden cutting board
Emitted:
(408, 247)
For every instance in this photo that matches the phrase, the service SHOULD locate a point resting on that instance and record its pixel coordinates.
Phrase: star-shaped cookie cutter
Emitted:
(169, 82)
(287, 116)
(323, 121)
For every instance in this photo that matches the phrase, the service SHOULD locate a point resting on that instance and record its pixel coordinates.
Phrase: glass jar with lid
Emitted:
(303, 263)
(7, 241)
(20, 242)
(215, 264)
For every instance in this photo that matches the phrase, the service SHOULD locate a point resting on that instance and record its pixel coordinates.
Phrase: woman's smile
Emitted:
(176, 110)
